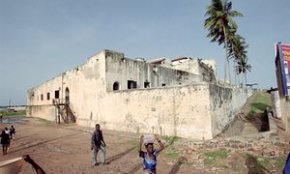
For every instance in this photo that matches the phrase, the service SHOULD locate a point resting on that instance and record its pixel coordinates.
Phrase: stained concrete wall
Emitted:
(120, 69)
(206, 69)
(47, 112)
(86, 83)
(275, 98)
(182, 111)
(225, 103)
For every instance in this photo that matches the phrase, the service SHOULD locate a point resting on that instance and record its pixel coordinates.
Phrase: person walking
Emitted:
(12, 132)
(7, 131)
(5, 141)
(150, 155)
(98, 145)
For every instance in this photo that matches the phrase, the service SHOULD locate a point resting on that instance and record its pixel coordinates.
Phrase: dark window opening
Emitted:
(146, 84)
(48, 96)
(132, 84)
(41, 97)
(116, 86)
(56, 94)
(67, 96)
(163, 84)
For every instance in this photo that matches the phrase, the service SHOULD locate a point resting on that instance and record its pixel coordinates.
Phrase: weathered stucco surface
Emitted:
(225, 103)
(166, 111)
(184, 107)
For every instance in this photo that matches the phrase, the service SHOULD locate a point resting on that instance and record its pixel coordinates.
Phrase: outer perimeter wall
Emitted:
(195, 111)
(225, 103)
(182, 111)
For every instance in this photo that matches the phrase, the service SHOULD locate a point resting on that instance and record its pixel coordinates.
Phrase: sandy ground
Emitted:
(66, 149)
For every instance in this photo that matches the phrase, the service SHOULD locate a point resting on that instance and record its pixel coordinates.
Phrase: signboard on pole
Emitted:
(283, 66)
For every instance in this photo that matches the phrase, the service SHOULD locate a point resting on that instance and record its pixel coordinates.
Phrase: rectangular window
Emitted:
(56, 94)
(48, 96)
(41, 97)
(146, 84)
(132, 84)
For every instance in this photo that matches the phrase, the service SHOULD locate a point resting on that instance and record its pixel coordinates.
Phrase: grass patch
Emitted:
(261, 102)
(265, 162)
(171, 154)
(170, 139)
(213, 157)
(14, 113)
(279, 162)
(259, 164)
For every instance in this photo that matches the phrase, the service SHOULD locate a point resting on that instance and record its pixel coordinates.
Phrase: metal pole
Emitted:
(62, 88)
(287, 107)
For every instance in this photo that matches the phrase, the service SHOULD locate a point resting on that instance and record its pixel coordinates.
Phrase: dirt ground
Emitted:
(65, 149)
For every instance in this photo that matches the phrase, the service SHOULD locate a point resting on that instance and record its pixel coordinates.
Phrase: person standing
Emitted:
(1, 117)
(150, 155)
(12, 132)
(7, 131)
(98, 145)
(5, 141)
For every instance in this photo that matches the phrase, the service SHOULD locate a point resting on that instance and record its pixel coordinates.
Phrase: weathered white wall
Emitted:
(194, 111)
(46, 112)
(275, 98)
(86, 84)
(182, 111)
(187, 65)
(192, 66)
(225, 103)
(120, 69)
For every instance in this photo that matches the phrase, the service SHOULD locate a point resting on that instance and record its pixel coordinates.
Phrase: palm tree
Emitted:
(242, 67)
(237, 49)
(221, 25)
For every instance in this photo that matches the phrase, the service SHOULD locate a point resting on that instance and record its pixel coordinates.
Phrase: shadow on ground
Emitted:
(254, 166)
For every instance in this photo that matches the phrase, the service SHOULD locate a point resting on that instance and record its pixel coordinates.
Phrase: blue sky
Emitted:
(39, 39)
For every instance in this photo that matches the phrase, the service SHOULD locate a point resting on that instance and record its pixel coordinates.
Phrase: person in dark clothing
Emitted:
(5, 141)
(12, 132)
(1, 117)
(98, 145)
(7, 131)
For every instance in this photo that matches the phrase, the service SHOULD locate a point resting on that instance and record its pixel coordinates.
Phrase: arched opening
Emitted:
(66, 95)
(116, 86)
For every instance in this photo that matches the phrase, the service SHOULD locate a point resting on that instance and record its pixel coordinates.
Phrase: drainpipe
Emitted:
(287, 102)
(62, 83)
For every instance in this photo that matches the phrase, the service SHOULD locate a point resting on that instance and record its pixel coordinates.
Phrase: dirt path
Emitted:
(65, 149)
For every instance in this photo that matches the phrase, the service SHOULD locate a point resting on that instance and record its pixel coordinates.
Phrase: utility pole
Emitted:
(286, 113)
(9, 106)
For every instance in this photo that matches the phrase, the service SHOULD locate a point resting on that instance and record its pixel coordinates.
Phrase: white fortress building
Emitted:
(178, 97)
